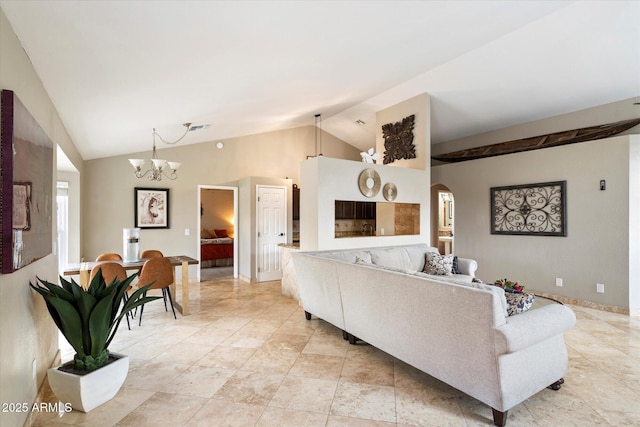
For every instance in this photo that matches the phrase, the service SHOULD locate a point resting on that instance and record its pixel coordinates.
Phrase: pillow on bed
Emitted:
(221, 233)
(204, 234)
(212, 234)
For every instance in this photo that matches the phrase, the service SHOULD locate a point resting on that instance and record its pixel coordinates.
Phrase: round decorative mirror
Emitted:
(369, 182)
(389, 191)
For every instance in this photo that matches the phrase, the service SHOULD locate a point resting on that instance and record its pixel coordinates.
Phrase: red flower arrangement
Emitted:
(509, 285)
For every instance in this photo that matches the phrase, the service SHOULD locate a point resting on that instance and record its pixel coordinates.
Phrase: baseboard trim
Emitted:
(40, 397)
(588, 304)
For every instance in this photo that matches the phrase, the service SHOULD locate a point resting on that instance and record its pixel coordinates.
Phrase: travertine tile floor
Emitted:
(247, 357)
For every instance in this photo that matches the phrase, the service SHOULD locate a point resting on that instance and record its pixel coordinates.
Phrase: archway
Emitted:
(442, 218)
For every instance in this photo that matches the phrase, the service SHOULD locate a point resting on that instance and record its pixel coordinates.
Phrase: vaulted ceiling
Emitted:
(117, 69)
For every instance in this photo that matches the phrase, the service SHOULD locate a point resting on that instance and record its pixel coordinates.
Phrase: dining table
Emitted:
(83, 269)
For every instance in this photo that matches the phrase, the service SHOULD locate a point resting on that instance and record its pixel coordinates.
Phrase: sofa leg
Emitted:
(499, 418)
(307, 315)
(352, 339)
(345, 335)
(557, 385)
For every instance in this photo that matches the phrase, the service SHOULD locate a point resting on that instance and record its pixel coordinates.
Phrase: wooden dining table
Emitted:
(83, 269)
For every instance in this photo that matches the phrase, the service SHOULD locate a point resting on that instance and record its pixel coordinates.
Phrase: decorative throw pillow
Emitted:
(221, 233)
(518, 302)
(204, 234)
(437, 264)
(212, 233)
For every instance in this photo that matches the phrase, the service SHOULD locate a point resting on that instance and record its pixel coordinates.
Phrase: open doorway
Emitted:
(443, 219)
(218, 233)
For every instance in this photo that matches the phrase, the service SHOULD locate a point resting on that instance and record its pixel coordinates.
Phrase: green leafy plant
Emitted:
(509, 285)
(89, 318)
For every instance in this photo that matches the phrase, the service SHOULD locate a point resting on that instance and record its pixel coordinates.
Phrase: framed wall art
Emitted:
(151, 207)
(26, 199)
(530, 209)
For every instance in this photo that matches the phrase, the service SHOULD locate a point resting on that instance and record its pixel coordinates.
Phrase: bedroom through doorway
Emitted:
(217, 219)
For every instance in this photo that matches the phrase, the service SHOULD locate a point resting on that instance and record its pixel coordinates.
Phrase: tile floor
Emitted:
(247, 357)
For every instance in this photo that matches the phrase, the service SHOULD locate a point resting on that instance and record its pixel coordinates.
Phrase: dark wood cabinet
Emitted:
(365, 210)
(296, 202)
(346, 209)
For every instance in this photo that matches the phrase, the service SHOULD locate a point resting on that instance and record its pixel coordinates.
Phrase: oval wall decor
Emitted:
(389, 191)
(369, 182)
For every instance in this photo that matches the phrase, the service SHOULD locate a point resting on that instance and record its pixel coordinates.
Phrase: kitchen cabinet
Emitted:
(347, 209)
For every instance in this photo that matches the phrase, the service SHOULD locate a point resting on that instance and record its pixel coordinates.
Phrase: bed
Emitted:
(216, 252)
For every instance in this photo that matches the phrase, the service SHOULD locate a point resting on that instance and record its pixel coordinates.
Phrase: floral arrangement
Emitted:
(509, 285)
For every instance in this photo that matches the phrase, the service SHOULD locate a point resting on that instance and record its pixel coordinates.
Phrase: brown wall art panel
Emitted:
(26, 196)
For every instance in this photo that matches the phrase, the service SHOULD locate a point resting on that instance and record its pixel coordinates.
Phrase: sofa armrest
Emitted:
(534, 326)
(467, 266)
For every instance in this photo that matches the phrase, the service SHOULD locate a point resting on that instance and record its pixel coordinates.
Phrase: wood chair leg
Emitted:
(499, 418)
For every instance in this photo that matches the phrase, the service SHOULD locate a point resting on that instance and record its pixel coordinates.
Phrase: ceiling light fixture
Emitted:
(159, 166)
(318, 134)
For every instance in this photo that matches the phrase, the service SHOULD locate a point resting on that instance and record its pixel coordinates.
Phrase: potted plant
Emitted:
(89, 319)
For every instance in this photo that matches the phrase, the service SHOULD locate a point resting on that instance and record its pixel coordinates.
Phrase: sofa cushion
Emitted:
(394, 258)
(440, 265)
(518, 302)
(350, 256)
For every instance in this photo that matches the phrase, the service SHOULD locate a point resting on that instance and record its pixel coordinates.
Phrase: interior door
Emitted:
(272, 227)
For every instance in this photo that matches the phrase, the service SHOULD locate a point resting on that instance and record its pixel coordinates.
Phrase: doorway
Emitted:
(218, 233)
(272, 226)
(443, 219)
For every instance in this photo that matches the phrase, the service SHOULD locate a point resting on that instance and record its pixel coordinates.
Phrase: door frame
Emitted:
(257, 224)
(235, 224)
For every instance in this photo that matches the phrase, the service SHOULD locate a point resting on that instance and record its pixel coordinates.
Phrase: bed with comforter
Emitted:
(216, 252)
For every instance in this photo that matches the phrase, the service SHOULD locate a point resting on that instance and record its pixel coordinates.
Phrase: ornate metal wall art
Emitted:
(398, 140)
(530, 209)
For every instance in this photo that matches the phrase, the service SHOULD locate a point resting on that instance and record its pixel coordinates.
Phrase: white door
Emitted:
(272, 228)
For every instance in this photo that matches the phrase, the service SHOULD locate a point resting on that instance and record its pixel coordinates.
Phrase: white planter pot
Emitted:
(86, 392)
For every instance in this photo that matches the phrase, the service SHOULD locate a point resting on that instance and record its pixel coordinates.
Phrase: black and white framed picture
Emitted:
(151, 207)
(530, 209)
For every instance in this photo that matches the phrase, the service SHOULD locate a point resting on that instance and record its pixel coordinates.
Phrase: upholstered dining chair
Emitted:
(109, 257)
(151, 253)
(159, 272)
(111, 271)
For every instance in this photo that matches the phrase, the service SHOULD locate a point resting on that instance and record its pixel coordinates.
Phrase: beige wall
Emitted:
(27, 332)
(217, 208)
(420, 106)
(326, 180)
(108, 187)
(598, 246)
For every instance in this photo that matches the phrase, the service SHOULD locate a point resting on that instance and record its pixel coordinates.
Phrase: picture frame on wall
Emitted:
(151, 207)
(530, 209)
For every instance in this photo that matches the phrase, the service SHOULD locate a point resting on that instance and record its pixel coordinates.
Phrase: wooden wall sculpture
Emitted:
(398, 140)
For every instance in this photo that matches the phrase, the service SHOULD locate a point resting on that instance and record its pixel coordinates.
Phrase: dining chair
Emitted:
(109, 257)
(151, 253)
(111, 271)
(159, 273)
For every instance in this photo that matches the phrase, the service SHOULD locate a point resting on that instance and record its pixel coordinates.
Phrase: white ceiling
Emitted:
(116, 69)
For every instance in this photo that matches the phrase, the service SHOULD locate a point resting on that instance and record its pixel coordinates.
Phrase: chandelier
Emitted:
(158, 166)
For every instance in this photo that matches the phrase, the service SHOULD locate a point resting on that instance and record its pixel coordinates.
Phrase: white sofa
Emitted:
(450, 328)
